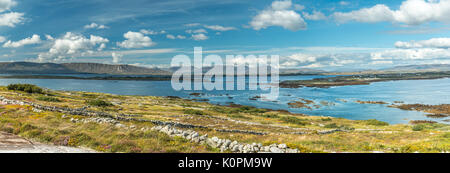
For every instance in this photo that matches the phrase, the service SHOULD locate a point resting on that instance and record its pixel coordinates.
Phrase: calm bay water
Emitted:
(341, 99)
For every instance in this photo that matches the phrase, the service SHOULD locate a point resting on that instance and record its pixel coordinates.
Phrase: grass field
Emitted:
(303, 132)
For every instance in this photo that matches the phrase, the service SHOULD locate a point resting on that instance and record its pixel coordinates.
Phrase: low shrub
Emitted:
(29, 88)
(341, 127)
(239, 116)
(331, 126)
(446, 135)
(193, 112)
(269, 115)
(99, 103)
(48, 99)
(251, 110)
(224, 110)
(293, 120)
(418, 127)
(326, 119)
(375, 122)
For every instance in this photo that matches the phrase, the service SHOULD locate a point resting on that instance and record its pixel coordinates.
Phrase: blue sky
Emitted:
(322, 34)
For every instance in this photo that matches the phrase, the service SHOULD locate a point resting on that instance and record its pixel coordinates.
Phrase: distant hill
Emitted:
(76, 68)
(301, 71)
(427, 67)
(400, 69)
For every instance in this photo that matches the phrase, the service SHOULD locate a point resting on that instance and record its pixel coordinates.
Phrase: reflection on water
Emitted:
(340, 100)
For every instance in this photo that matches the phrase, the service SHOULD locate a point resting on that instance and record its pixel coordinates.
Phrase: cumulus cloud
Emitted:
(116, 57)
(280, 13)
(306, 60)
(431, 43)
(281, 5)
(11, 19)
(35, 39)
(219, 28)
(2, 39)
(181, 37)
(315, 15)
(170, 36)
(136, 40)
(95, 26)
(411, 54)
(199, 37)
(302, 58)
(72, 45)
(411, 12)
(6, 5)
(338, 57)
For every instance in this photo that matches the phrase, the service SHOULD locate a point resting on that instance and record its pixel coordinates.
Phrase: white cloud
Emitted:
(299, 7)
(431, 43)
(6, 5)
(411, 12)
(279, 14)
(344, 3)
(136, 40)
(189, 31)
(281, 5)
(116, 57)
(170, 36)
(302, 58)
(49, 37)
(219, 28)
(381, 62)
(314, 65)
(35, 39)
(199, 37)
(11, 19)
(151, 32)
(147, 51)
(411, 54)
(95, 26)
(2, 39)
(316, 15)
(72, 45)
(192, 24)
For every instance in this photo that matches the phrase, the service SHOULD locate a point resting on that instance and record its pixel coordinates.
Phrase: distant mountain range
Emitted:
(76, 68)
(97, 68)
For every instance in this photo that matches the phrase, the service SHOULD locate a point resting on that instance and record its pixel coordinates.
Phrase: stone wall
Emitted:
(224, 144)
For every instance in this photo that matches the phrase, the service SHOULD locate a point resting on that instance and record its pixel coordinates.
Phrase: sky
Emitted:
(317, 34)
